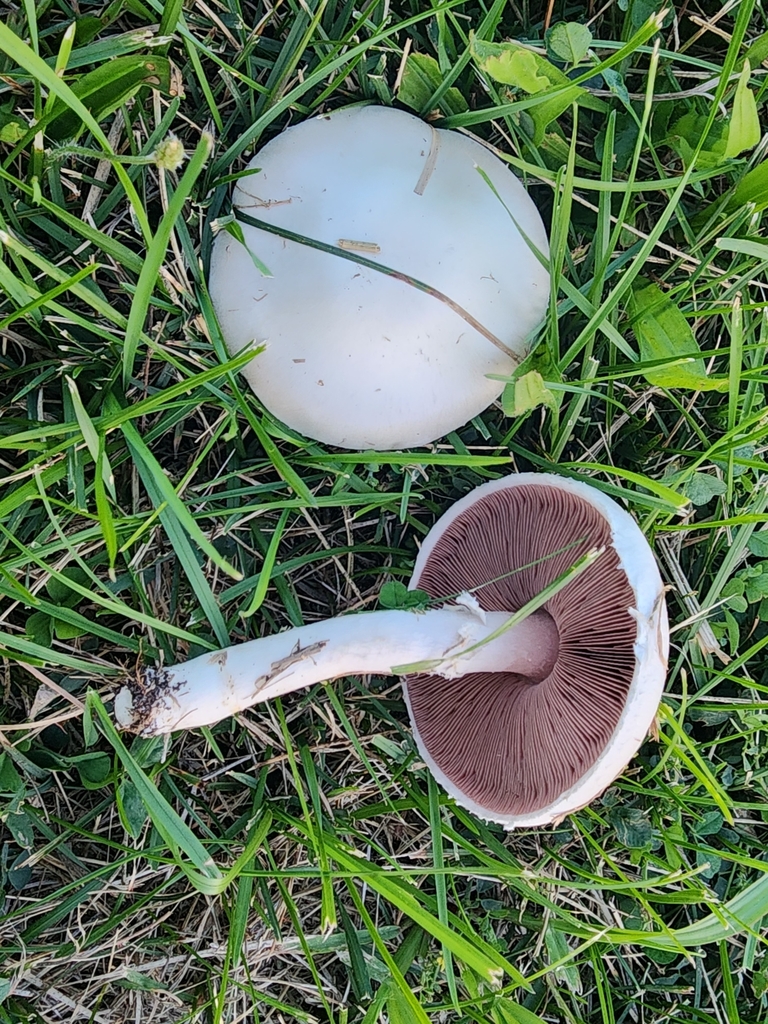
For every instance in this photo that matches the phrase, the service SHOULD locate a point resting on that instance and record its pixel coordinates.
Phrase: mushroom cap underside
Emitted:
(354, 357)
(522, 752)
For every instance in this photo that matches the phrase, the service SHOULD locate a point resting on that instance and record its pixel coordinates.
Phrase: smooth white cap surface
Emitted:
(353, 357)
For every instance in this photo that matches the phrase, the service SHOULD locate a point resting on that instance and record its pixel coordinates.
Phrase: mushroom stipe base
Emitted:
(521, 729)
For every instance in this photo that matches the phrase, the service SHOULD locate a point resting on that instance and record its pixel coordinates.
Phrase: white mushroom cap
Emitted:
(353, 357)
(535, 752)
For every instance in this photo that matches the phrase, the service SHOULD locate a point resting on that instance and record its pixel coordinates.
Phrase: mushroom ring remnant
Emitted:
(523, 729)
(355, 356)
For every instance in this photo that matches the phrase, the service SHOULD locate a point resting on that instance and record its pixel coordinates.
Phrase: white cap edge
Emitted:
(651, 648)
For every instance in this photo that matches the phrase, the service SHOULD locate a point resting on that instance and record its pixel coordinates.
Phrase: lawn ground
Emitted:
(297, 862)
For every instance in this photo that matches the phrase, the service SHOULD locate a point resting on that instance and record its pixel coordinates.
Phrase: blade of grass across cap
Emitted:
(548, 592)
(156, 253)
(41, 73)
(363, 261)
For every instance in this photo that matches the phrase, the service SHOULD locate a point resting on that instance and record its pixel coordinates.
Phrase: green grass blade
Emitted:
(156, 254)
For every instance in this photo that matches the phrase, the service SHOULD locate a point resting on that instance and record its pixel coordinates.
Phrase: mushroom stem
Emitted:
(217, 685)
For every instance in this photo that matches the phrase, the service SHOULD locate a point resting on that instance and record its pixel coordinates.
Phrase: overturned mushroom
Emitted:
(522, 725)
(357, 352)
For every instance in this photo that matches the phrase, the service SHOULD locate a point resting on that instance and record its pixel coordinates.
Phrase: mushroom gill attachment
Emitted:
(526, 751)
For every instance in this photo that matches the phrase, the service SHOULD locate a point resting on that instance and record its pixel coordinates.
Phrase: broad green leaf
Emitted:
(709, 862)
(94, 768)
(744, 127)
(559, 950)
(130, 807)
(59, 590)
(686, 132)
(527, 393)
(39, 628)
(401, 1010)
(10, 780)
(736, 600)
(758, 50)
(395, 594)
(569, 41)
(710, 824)
(662, 332)
(703, 487)
(514, 64)
(421, 79)
(758, 544)
(11, 132)
(20, 873)
(633, 829)
(756, 586)
(507, 1012)
(20, 825)
(67, 630)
